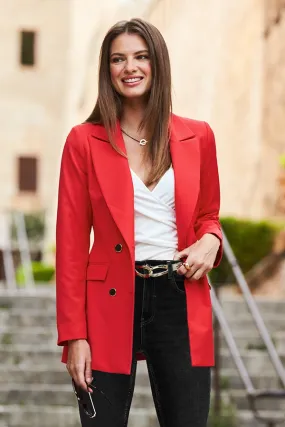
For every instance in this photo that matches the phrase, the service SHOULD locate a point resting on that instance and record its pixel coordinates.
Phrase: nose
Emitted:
(130, 66)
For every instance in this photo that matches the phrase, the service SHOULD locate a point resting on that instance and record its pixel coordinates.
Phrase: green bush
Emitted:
(35, 226)
(250, 242)
(227, 417)
(42, 273)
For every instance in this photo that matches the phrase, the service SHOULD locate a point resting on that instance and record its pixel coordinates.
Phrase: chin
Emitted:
(135, 95)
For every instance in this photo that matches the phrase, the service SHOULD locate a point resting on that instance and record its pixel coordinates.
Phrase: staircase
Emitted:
(35, 389)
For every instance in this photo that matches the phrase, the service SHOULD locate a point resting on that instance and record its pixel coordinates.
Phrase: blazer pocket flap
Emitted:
(97, 271)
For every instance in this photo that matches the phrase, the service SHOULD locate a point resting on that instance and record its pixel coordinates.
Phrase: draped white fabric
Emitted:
(155, 219)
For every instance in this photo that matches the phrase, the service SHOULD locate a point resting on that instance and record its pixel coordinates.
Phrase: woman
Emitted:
(147, 182)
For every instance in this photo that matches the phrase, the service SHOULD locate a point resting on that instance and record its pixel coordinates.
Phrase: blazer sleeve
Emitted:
(73, 227)
(207, 220)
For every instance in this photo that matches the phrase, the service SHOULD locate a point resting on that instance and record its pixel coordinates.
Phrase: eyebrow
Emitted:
(136, 53)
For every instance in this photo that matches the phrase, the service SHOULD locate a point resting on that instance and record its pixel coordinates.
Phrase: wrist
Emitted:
(209, 237)
(76, 340)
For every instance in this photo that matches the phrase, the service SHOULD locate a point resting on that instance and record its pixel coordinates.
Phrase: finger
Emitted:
(201, 272)
(194, 267)
(79, 376)
(88, 374)
(182, 270)
(67, 368)
(70, 369)
(194, 275)
(191, 269)
(206, 268)
(182, 254)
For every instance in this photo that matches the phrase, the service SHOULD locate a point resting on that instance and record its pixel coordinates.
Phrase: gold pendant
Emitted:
(143, 142)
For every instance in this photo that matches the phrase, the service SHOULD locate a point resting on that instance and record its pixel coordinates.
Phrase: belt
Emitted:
(168, 268)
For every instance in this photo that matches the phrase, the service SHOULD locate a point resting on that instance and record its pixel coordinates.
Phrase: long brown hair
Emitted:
(108, 108)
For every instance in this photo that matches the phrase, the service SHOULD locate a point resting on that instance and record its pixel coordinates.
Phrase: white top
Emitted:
(155, 219)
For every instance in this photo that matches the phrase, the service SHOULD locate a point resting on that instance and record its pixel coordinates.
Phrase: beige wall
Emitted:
(84, 48)
(217, 76)
(224, 72)
(273, 126)
(217, 55)
(30, 105)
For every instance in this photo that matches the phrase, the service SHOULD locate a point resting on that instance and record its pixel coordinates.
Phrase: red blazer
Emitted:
(96, 190)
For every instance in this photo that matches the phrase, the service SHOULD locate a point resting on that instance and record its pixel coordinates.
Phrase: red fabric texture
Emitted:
(96, 192)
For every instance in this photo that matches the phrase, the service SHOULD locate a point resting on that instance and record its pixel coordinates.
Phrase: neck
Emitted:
(132, 116)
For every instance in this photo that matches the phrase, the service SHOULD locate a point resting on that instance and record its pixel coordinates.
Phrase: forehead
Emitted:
(128, 43)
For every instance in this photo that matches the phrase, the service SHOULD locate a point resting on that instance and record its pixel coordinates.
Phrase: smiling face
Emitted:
(130, 66)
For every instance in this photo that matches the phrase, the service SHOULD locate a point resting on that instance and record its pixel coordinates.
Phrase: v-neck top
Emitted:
(155, 218)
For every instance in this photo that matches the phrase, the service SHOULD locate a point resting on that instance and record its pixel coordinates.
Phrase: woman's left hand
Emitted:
(200, 256)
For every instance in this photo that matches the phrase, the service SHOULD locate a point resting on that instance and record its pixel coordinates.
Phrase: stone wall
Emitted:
(273, 125)
(31, 110)
(227, 65)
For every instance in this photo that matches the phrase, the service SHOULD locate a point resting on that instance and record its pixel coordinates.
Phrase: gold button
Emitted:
(112, 292)
(119, 247)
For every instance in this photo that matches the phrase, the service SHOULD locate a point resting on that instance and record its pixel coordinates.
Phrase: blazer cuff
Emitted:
(71, 331)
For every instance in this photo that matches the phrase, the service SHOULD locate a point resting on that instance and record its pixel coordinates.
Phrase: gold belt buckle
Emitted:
(150, 270)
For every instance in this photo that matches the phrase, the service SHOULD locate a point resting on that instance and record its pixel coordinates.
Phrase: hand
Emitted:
(79, 363)
(200, 256)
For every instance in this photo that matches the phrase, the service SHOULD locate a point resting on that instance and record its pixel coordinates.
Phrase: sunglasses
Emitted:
(85, 399)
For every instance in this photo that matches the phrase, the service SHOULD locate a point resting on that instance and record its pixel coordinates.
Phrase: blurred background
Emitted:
(228, 67)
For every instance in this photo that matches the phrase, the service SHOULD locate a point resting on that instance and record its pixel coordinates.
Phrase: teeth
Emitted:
(132, 80)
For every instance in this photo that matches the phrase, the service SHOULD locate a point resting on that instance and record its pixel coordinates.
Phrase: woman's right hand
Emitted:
(79, 363)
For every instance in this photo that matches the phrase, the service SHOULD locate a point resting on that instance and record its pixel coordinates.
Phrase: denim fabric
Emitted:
(181, 392)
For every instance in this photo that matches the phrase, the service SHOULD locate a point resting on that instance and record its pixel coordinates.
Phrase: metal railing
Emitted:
(253, 394)
(17, 219)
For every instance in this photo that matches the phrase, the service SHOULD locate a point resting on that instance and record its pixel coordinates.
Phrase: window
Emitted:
(28, 48)
(27, 174)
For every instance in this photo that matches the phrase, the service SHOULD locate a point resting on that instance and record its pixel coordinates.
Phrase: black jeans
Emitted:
(181, 392)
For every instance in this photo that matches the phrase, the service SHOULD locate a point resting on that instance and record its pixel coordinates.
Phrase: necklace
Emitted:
(141, 141)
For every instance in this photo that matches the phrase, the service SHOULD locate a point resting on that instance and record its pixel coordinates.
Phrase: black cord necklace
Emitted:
(140, 141)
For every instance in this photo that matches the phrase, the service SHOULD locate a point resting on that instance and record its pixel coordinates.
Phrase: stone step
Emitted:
(246, 418)
(58, 375)
(43, 298)
(36, 318)
(256, 361)
(62, 395)
(23, 318)
(48, 335)
(230, 380)
(27, 355)
(58, 395)
(52, 416)
(28, 335)
(56, 416)
(245, 340)
(274, 323)
(236, 306)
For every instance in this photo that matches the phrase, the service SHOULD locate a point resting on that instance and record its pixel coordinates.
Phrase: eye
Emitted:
(116, 59)
(142, 57)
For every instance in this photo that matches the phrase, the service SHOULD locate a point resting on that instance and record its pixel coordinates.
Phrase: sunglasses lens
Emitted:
(84, 400)
(88, 411)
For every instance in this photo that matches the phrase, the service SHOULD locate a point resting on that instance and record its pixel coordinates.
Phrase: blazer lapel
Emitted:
(185, 153)
(114, 177)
